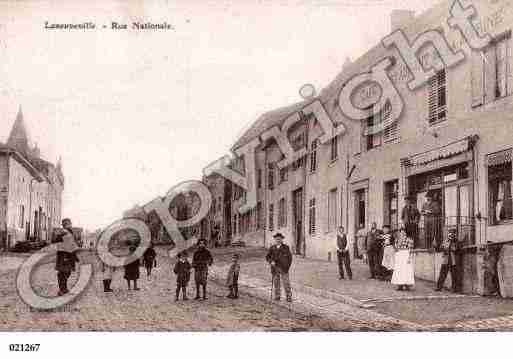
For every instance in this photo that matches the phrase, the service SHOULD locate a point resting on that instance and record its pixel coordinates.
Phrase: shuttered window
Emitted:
(391, 132)
(313, 156)
(282, 213)
(437, 99)
(311, 215)
(492, 76)
(332, 209)
(271, 217)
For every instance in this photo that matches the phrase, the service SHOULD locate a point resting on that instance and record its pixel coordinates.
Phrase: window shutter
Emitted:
(509, 68)
(391, 132)
(477, 79)
(433, 100)
(502, 67)
(490, 74)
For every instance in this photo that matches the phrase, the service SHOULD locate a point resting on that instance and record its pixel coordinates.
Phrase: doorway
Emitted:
(299, 235)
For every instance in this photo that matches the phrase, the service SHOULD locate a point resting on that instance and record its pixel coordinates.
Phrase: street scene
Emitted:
(151, 188)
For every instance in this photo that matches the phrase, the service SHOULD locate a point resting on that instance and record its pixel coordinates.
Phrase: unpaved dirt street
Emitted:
(151, 309)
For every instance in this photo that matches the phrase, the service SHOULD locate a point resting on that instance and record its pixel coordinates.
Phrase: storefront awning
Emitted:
(444, 152)
(499, 158)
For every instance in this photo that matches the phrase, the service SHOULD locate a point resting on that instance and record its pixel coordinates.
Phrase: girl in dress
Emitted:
(403, 275)
(388, 253)
(132, 270)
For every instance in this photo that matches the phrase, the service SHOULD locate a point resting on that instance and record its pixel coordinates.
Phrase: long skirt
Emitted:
(388, 257)
(403, 271)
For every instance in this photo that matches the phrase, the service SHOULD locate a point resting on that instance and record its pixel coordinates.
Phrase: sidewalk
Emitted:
(422, 307)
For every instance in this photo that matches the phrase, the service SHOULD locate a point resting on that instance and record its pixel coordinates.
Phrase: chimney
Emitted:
(399, 19)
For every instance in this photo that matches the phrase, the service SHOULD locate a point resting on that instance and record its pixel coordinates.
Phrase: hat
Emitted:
(235, 256)
(202, 240)
(278, 235)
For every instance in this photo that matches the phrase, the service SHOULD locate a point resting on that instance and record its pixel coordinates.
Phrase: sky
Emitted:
(133, 113)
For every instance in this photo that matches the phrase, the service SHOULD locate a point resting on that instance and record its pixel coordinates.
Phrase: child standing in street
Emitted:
(183, 275)
(388, 253)
(132, 270)
(107, 272)
(232, 281)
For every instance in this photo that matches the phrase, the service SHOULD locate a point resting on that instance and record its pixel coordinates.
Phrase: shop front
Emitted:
(442, 182)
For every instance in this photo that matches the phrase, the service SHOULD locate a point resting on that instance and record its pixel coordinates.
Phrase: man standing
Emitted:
(432, 219)
(280, 259)
(449, 262)
(201, 260)
(410, 216)
(372, 245)
(343, 254)
(66, 256)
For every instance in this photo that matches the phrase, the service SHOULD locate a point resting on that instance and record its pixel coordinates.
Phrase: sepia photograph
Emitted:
(255, 166)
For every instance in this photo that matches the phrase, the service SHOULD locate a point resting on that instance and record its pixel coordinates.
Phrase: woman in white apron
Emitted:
(403, 275)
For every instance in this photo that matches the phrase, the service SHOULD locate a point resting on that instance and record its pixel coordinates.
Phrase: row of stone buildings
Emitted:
(454, 141)
(30, 190)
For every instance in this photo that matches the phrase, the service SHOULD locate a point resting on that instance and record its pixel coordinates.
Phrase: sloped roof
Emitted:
(267, 121)
(19, 138)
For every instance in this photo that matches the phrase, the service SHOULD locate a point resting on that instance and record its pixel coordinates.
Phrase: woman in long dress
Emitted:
(388, 253)
(403, 275)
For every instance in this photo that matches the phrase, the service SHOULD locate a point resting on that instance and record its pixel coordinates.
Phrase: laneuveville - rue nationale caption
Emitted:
(112, 26)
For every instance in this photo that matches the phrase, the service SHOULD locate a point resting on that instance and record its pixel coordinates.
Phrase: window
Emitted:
(311, 214)
(270, 174)
(259, 216)
(214, 205)
(313, 156)
(360, 208)
(391, 132)
(373, 139)
(437, 99)
(259, 178)
(283, 174)
(334, 149)
(271, 217)
(22, 216)
(391, 204)
(298, 163)
(235, 225)
(332, 209)
(500, 187)
(492, 72)
(282, 213)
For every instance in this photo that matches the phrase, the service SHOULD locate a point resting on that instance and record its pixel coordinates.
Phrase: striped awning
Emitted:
(499, 158)
(447, 151)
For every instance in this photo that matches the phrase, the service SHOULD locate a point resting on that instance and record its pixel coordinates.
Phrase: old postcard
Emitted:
(242, 166)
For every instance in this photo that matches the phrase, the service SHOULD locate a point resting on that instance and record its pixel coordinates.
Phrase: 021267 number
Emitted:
(24, 347)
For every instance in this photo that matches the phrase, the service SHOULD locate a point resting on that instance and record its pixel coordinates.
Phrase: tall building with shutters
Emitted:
(453, 142)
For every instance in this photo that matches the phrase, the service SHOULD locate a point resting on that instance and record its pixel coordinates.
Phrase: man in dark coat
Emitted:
(201, 260)
(344, 259)
(410, 216)
(280, 259)
(449, 262)
(373, 247)
(432, 221)
(66, 256)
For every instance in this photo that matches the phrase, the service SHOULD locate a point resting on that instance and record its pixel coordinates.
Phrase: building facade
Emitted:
(30, 189)
(452, 142)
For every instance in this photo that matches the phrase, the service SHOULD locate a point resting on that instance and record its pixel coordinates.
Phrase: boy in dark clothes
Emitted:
(201, 260)
(183, 275)
(132, 270)
(149, 259)
(232, 281)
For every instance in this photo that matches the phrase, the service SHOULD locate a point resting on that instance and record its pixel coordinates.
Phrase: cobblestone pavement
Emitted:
(153, 308)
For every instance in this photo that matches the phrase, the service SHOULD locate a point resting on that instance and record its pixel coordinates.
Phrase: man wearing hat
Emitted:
(201, 260)
(280, 259)
(449, 261)
(410, 216)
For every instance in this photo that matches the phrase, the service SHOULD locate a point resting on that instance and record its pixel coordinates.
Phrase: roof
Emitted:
(267, 121)
(24, 161)
(19, 138)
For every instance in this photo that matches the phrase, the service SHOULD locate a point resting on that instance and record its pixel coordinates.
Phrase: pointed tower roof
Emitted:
(18, 138)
